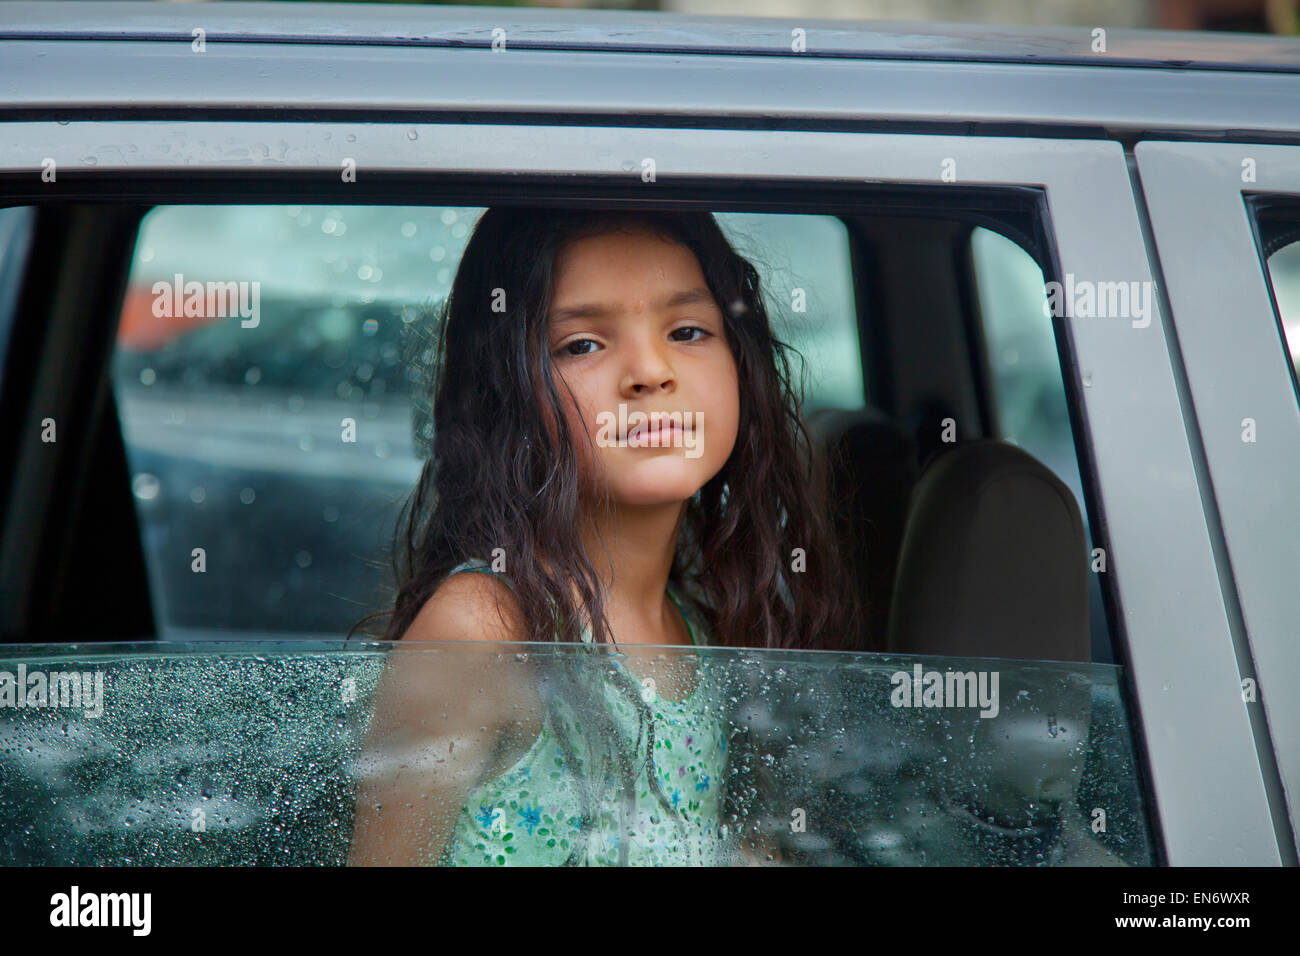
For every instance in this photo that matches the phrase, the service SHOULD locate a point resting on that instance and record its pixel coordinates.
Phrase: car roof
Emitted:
(396, 62)
(636, 31)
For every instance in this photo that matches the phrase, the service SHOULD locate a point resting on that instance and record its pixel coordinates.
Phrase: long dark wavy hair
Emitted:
(755, 550)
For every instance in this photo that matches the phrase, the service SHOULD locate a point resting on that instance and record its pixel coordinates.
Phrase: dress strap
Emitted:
(479, 565)
(685, 617)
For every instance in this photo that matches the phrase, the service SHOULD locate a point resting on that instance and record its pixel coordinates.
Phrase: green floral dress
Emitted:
(531, 815)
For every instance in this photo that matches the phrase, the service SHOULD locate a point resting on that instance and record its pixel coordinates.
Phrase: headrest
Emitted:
(994, 561)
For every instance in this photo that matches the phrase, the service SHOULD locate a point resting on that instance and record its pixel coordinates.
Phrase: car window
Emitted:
(16, 225)
(268, 426)
(236, 421)
(271, 370)
(1283, 269)
(1028, 389)
(276, 753)
(808, 288)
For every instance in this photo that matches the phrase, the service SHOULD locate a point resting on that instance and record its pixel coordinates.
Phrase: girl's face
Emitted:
(635, 333)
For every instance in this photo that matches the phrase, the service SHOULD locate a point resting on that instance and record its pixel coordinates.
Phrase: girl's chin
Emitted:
(658, 479)
(649, 494)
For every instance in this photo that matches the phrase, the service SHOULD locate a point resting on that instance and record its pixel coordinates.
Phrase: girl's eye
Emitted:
(567, 349)
(577, 348)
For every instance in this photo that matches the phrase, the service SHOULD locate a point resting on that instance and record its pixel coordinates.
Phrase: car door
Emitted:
(1210, 207)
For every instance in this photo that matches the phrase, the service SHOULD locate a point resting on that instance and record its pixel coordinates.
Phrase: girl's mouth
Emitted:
(657, 435)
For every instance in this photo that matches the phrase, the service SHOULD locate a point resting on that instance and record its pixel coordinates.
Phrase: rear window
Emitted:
(1282, 266)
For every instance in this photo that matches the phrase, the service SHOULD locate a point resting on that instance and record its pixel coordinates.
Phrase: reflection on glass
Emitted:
(499, 754)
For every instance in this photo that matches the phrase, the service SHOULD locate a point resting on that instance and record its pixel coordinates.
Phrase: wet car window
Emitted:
(302, 752)
(275, 420)
(1032, 407)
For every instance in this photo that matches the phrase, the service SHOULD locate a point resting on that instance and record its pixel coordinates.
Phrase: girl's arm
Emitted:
(439, 716)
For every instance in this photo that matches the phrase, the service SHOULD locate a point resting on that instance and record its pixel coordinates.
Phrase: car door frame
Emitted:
(1209, 802)
(59, 416)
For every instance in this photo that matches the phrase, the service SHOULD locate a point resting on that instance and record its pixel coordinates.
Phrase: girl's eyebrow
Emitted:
(598, 310)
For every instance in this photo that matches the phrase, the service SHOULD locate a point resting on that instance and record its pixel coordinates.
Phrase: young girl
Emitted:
(618, 450)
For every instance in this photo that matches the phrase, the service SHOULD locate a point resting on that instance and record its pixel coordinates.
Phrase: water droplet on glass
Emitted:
(145, 486)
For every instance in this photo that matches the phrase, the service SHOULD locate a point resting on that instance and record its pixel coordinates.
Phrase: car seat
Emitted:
(871, 468)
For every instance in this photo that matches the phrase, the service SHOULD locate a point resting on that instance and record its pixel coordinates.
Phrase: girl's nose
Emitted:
(648, 370)
(638, 385)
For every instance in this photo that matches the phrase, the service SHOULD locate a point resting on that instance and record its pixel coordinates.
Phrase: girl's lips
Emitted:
(663, 434)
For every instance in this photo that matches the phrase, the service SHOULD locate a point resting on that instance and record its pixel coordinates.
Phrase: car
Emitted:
(1047, 286)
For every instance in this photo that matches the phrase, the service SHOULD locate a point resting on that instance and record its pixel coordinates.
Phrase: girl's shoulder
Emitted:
(469, 607)
(685, 597)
